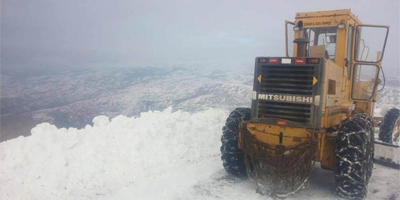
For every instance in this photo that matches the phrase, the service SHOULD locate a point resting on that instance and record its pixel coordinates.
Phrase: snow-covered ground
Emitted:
(158, 155)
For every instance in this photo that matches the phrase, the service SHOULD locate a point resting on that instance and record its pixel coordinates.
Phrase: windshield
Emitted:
(322, 42)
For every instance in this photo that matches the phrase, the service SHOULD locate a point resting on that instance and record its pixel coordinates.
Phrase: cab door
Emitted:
(369, 47)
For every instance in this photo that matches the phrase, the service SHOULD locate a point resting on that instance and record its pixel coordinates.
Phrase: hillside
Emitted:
(73, 99)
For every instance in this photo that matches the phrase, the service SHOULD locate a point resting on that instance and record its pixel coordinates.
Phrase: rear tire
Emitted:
(354, 154)
(231, 155)
(386, 129)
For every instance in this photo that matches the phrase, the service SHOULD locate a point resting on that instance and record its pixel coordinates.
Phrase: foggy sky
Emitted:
(37, 34)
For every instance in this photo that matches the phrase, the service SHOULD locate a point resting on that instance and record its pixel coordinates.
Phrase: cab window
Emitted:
(322, 42)
(370, 43)
(364, 81)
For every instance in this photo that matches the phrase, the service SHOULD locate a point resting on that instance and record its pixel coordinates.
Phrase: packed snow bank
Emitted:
(82, 164)
(159, 155)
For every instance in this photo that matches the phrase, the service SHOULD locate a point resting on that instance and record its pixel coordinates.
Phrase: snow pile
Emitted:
(88, 163)
(159, 155)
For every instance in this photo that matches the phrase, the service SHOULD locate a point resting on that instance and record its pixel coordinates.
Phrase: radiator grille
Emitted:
(287, 80)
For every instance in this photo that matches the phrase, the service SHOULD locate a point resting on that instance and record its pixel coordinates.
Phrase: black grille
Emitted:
(287, 80)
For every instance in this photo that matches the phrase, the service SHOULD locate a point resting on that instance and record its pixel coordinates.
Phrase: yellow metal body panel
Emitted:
(335, 108)
(326, 150)
(291, 137)
(270, 134)
(329, 13)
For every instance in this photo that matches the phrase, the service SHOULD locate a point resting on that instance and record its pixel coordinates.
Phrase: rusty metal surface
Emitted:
(278, 170)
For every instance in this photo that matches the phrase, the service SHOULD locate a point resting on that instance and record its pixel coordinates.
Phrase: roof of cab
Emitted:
(327, 13)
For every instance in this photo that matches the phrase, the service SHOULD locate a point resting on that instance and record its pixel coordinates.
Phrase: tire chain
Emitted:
(231, 155)
(354, 156)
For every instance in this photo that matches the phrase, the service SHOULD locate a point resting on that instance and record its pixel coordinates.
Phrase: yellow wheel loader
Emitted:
(314, 105)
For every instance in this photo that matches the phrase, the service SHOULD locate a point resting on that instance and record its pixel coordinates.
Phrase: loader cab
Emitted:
(326, 33)
(339, 37)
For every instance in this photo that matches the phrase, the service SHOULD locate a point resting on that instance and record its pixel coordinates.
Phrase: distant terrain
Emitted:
(73, 98)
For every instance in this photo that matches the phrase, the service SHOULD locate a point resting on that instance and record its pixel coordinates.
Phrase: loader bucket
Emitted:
(387, 154)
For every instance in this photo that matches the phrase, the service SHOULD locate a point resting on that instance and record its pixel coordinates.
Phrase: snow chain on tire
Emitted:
(231, 155)
(387, 126)
(354, 154)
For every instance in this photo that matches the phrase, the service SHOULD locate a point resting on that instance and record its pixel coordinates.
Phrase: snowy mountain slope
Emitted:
(186, 90)
(159, 155)
(48, 91)
(72, 99)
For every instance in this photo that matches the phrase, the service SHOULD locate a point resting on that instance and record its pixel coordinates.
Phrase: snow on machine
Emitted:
(314, 105)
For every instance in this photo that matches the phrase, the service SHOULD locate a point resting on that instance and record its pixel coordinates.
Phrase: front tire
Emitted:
(354, 154)
(231, 155)
(388, 129)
